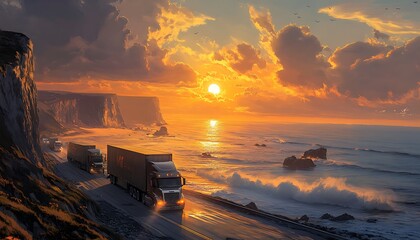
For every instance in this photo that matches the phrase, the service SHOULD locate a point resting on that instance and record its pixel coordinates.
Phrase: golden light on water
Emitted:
(214, 89)
(213, 123)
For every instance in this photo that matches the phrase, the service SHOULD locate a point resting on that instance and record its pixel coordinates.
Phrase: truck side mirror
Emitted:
(184, 181)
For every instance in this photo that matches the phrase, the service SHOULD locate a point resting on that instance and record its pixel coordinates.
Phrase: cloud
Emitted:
(77, 39)
(242, 58)
(299, 52)
(380, 35)
(368, 15)
(387, 76)
(261, 20)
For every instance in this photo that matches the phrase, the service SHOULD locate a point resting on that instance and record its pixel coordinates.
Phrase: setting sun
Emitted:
(214, 89)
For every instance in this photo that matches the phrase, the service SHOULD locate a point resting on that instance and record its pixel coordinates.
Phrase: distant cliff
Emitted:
(34, 202)
(141, 110)
(79, 109)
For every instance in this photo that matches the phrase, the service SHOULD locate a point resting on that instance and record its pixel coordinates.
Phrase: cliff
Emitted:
(141, 110)
(18, 108)
(79, 109)
(34, 203)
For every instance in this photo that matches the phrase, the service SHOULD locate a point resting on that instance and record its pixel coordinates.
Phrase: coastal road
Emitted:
(200, 219)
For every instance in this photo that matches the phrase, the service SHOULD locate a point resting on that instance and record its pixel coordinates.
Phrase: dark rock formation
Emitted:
(260, 145)
(298, 163)
(18, 114)
(163, 131)
(80, 109)
(304, 218)
(252, 206)
(34, 203)
(319, 153)
(206, 155)
(327, 216)
(342, 218)
(141, 110)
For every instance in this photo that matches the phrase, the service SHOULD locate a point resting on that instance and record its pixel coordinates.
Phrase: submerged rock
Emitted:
(252, 206)
(371, 220)
(298, 163)
(163, 131)
(327, 216)
(320, 153)
(304, 218)
(260, 145)
(206, 155)
(342, 218)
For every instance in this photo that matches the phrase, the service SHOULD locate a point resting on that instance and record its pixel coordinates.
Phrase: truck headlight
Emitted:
(180, 202)
(160, 203)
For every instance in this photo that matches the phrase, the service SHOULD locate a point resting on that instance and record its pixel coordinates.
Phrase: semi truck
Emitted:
(55, 145)
(86, 157)
(149, 176)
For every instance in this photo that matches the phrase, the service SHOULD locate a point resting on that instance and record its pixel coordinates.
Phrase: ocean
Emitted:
(371, 172)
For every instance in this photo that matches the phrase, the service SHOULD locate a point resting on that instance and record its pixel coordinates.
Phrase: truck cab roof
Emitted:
(144, 151)
(165, 169)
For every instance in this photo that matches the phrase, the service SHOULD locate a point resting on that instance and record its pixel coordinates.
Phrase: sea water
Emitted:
(371, 172)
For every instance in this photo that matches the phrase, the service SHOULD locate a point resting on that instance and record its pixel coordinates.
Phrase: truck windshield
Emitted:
(169, 182)
(97, 159)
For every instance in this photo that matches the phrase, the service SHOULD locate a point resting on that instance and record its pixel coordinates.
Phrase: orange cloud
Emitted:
(367, 15)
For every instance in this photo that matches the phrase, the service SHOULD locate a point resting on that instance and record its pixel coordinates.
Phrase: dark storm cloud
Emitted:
(86, 38)
(387, 76)
(242, 58)
(299, 52)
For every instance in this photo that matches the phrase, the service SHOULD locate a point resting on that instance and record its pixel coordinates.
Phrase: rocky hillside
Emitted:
(78, 109)
(34, 203)
(141, 110)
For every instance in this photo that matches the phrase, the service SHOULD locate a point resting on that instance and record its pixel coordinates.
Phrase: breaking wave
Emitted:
(329, 191)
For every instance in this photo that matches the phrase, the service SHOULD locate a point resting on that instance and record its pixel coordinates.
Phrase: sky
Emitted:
(332, 61)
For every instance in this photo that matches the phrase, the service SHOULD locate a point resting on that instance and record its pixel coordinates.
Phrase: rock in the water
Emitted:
(163, 131)
(342, 218)
(327, 216)
(320, 153)
(298, 163)
(206, 155)
(371, 220)
(304, 218)
(252, 205)
(260, 145)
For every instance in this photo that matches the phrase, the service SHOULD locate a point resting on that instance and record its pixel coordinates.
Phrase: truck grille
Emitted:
(171, 198)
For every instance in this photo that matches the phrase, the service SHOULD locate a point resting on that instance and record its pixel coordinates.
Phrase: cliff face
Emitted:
(34, 203)
(78, 109)
(141, 110)
(18, 108)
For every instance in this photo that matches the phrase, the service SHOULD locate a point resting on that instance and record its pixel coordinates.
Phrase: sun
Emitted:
(214, 89)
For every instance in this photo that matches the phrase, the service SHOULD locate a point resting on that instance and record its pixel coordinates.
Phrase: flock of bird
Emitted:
(333, 19)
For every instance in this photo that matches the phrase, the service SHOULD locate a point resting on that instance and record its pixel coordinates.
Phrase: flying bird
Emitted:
(295, 13)
(299, 17)
(415, 2)
(308, 6)
(195, 33)
(317, 21)
(398, 8)
(386, 8)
